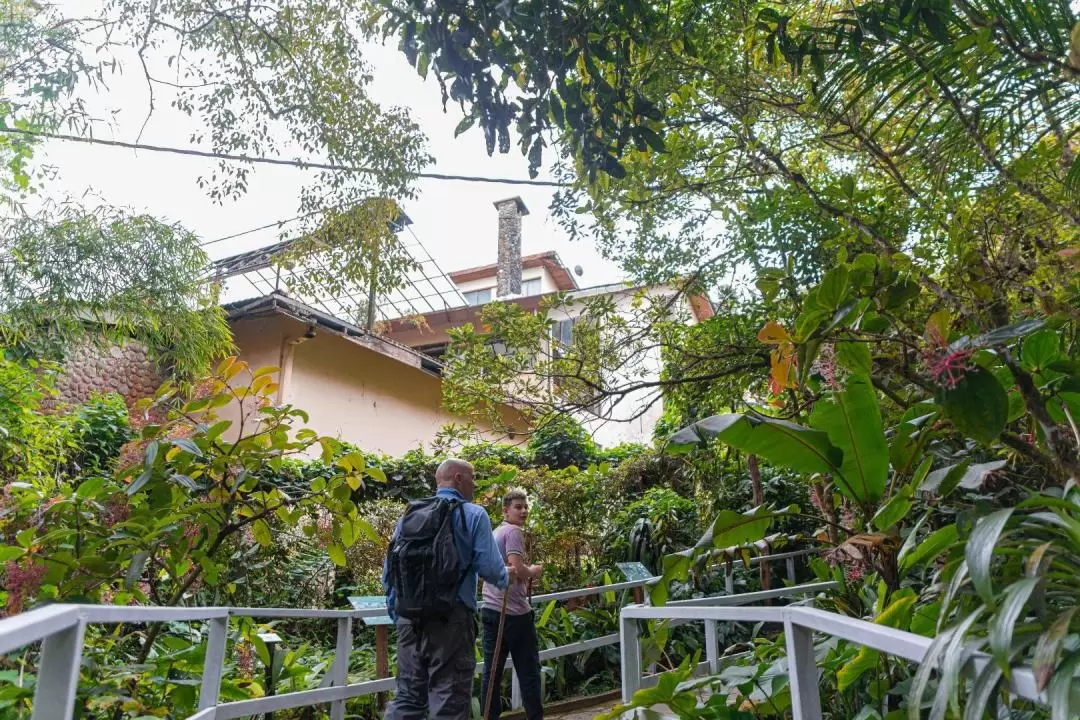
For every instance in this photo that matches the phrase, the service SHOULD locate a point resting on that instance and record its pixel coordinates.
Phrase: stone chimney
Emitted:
(511, 211)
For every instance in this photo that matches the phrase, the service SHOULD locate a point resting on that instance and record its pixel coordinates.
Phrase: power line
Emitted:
(267, 226)
(271, 161)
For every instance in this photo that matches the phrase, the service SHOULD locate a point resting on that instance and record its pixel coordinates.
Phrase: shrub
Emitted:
(365, 558)
(100, 429)
(561, 442)
(660, 522)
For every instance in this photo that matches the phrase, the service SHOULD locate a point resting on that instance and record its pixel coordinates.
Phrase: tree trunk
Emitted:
(759, 499)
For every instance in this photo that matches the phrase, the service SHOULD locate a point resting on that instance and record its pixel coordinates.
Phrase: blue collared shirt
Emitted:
(476, 546)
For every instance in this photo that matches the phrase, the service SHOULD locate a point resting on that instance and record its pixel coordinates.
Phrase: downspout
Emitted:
(288, 349)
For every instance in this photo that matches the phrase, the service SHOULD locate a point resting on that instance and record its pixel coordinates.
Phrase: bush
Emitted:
(100, 429)
(485, 456)
(365, 558)
(561, 442)
(660, 522)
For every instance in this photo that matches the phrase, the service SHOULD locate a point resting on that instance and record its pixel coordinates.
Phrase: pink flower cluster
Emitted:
(946, 367)
(22, 580)
(245, 658)
(825, 365)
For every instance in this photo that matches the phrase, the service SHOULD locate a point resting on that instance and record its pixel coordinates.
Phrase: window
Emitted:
(530, 287)
(499, 349)
(434, 356)
(477, 297)
(562, 335)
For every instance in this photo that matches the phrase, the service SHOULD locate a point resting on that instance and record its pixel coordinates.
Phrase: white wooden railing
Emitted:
(800, 624)
(61, 628)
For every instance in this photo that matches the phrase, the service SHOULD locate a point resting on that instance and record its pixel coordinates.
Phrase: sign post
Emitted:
(382, 636)
(634, 571)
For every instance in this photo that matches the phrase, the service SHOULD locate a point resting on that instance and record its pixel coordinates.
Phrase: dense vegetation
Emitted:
(154, 506)
(881, 198)
(882, 195)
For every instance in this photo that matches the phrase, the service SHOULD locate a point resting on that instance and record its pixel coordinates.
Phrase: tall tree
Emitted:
(776, 140)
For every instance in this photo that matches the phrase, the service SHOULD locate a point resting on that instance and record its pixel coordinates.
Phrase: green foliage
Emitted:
(32, 445)
(101, 428)
(90, 278)
(1013, 581)
(190, 522)
(659, 523)
(561, 442)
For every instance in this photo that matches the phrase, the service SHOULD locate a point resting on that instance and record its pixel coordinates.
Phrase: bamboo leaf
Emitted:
(1048, 649)
(980, 551)
(1003, 624)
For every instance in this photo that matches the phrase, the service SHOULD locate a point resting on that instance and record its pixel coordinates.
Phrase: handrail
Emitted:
(61, 626)
(800, 623)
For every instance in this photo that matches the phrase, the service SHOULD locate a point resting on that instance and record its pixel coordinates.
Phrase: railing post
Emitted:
(729, 580)
(516, 701)
(58, 674)
(712, 647)
(214, 662)
(802, 671)
(791, 570)
(630, 651)
(340, 669)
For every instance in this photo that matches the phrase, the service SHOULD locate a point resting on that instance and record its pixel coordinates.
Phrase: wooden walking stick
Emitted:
(494, 680)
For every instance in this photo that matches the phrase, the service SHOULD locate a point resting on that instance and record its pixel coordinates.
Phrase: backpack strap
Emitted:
(459, 506)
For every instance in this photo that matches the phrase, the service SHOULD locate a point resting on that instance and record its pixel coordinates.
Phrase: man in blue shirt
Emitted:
(436, 659)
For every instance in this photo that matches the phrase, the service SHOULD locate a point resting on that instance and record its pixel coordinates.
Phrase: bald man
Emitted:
(436, 652)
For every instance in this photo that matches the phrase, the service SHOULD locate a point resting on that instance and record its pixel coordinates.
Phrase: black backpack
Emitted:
(426, 569)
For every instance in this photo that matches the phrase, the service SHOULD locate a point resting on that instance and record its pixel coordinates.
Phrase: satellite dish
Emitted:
(578, 271)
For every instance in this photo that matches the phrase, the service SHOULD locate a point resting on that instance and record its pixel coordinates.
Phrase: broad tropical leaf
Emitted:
(779, 442)
(852, 420)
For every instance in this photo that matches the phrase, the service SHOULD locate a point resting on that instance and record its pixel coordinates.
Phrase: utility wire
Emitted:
(267, 226)
(271, 161)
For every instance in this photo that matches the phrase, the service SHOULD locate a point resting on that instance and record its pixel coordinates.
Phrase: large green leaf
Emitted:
(779, 442)
(1040, 350)
(852, 420)
(935, 543)
(728, 530)
(969, 477)
(978, 406)
(1004, 335)
(855, 356)
(852, 670)
(895, 510)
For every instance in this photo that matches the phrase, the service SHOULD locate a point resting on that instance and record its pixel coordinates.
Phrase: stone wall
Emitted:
(127, 370)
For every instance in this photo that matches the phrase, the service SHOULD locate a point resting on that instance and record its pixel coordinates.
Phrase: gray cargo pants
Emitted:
(436, 662)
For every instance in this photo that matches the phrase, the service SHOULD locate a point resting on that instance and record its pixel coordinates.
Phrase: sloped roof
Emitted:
(280, 304)
(549, 260)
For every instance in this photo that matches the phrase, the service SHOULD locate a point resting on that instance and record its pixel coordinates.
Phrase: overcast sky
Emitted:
(455, 221)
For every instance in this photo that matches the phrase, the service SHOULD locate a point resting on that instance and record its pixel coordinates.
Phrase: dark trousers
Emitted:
(519, 642)
(436, 662)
